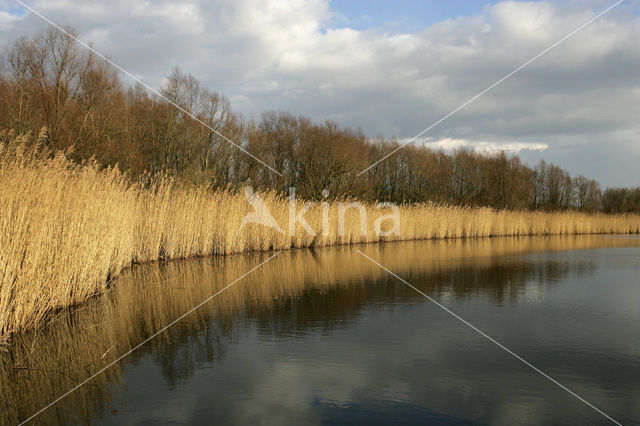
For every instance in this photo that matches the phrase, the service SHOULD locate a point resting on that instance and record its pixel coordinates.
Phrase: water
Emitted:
(327, 337)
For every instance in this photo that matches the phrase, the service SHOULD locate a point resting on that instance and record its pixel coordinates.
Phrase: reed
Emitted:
(67, 229)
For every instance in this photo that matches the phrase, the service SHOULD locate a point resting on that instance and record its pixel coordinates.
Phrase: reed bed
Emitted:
(67, 229)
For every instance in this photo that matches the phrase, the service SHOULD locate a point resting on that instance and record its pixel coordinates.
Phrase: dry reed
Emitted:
(65, 229)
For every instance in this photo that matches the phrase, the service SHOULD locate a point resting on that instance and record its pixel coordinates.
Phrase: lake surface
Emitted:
(327, 337)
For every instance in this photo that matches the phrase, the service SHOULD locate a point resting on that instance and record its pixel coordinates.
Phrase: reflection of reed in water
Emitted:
(330, 284)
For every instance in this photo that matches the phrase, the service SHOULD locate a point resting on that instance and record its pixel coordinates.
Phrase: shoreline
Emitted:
(50, 317)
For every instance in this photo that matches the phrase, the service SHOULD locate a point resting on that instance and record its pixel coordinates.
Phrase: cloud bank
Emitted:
(449, 144)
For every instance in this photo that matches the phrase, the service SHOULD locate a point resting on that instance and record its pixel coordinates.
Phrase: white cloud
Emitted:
(449, 144)
(7, 20)
(525, 21)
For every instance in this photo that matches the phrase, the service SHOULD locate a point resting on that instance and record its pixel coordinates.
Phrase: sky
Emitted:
(395, 68)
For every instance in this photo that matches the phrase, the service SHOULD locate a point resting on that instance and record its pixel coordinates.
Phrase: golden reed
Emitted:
(67, 229)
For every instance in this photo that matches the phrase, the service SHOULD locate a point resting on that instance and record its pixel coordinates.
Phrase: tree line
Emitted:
(48, 80)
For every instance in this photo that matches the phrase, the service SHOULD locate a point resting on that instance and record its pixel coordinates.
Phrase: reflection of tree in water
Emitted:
(297, 293)
(187, 349)
(505, 280)
(329, 308)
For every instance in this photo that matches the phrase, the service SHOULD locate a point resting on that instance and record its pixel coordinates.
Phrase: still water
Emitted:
(327, 337)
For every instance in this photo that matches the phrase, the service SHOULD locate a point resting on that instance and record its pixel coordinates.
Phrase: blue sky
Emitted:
(414, 15)
(402, 15)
